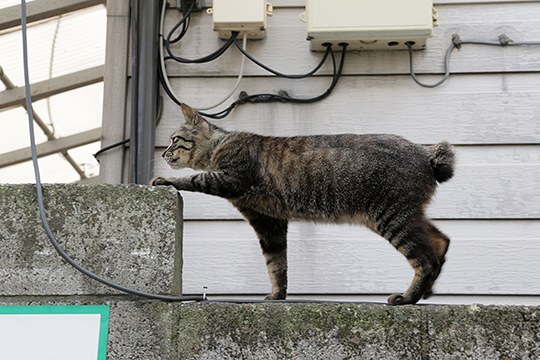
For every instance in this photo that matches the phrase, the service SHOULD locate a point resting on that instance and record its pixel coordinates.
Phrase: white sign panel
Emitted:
(53, 332)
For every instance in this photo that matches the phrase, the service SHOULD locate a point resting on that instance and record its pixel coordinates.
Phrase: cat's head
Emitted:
(191, 145)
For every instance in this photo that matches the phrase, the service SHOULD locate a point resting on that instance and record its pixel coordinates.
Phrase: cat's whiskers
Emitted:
(157, 162)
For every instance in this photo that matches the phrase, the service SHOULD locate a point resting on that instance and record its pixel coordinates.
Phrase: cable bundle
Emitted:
(282, 96)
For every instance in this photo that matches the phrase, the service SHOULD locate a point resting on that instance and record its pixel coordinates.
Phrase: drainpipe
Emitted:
(145, 28)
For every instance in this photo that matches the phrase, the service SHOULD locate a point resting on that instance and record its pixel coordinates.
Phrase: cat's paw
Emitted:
(279, 296)
(399, 299)
(427, 294)
(159, 181)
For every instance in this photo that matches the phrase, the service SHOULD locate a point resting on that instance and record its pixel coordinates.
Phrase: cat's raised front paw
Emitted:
(159, 181)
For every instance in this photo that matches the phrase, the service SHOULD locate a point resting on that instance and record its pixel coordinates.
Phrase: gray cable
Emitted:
(39, 190)
(446, 67)
(503, 41)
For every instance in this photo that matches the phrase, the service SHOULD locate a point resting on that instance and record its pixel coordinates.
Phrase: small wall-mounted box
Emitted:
(369, 24)
(242, 16)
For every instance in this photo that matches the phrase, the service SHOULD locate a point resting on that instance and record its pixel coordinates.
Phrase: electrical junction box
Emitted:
(242, 16)
(369, 24)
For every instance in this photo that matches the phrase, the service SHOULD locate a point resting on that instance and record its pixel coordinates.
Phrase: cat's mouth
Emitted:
(174, 163)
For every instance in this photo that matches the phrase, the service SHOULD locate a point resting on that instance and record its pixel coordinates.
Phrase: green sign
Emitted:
(54, 332)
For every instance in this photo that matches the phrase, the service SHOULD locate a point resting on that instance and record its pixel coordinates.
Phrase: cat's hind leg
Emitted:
(411, 238)
(272, 234)
(440, 243)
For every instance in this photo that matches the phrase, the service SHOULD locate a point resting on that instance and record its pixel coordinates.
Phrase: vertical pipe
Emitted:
(147, 89)
(133, 145)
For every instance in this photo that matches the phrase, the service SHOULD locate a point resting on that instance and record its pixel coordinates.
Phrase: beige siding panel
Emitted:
(468, 109)
(286, 39)
(499, 182)
(485, 257)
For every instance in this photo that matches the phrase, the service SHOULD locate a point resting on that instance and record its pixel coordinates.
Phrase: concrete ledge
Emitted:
(337, 331)
(129, 234)
(143, 329)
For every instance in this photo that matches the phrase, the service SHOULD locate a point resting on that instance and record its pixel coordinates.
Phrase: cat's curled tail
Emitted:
(442, 160)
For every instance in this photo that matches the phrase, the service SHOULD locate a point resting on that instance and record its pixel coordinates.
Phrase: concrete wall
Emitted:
(131, 234)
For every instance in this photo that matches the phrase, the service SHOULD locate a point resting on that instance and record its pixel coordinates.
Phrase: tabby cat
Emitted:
(381, 181)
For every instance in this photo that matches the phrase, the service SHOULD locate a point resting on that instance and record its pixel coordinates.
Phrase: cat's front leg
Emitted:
(216, 183)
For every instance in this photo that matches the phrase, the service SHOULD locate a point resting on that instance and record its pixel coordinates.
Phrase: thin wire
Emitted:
(277, 73)
(39, 190)
(503, 41)
(298, 301)
(237, 83)
(446, 67)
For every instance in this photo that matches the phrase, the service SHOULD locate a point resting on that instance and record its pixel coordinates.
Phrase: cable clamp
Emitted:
(505, 40)
(456, 40)
(283, 93)
(243, 98)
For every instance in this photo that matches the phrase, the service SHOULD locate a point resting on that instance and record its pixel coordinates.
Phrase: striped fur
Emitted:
(381, 181)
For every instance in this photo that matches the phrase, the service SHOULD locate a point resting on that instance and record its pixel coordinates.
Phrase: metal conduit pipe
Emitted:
(145, 83)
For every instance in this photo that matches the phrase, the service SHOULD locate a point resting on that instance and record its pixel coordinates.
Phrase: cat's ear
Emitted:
(192, 117)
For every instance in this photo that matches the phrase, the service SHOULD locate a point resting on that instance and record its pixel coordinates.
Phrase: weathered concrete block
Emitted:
(127, 233)
(338, 331)
(141, 330)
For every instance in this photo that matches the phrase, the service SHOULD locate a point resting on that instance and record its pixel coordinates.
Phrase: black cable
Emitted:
(109, 147)
(277, 73)
(39, 190)
(284, 97)
(210, 57)
(184, 22)
(125, 141)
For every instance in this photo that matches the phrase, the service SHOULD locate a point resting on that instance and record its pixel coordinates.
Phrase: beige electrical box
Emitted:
(369, 24)
(242, 16)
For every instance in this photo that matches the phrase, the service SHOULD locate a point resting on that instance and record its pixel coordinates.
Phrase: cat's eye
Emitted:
(179, 142)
